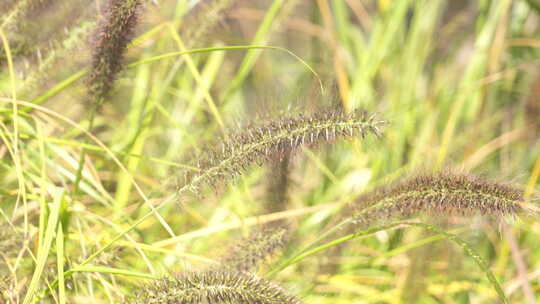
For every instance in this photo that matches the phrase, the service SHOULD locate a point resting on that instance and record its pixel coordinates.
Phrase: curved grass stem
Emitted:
(450, 236)
(80, 74)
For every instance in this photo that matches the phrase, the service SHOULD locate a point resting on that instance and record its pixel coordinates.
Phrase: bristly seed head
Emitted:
(250, 252)
(438, 194)
(214, 287)
(113, 37)
(257, 144)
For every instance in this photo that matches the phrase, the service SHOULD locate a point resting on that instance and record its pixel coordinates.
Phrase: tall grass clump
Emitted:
(248, 253)
(532, 108)
(179, 173)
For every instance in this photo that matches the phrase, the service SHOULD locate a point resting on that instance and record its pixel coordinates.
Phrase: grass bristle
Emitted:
(272, 141)
(441, 194)
(214, 287)
(113, 37)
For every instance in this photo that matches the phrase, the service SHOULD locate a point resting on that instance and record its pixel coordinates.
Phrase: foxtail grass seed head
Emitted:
(438, 194)
(250, 252)
(258, 144)
(214, 287)
(113, 36)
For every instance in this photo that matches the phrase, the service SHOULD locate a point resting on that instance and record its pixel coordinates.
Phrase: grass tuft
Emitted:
(93, 222)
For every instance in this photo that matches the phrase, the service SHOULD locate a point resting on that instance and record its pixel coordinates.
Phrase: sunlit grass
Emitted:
(95, 196)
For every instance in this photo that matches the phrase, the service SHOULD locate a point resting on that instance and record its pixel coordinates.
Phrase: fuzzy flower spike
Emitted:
(113, 36)
(257, 144)
(214, 286)
(439, 194)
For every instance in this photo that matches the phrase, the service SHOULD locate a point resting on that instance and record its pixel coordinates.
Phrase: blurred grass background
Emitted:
(458, 82)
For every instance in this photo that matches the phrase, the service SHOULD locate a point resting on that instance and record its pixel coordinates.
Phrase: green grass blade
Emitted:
(43, 251)
(60, 87)
(60, 264)
(470, 252)
(75, 77)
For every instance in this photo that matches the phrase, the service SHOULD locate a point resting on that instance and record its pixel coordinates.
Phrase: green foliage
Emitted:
(203, 18)
(112, 39)
(246, 254)
(456, 81)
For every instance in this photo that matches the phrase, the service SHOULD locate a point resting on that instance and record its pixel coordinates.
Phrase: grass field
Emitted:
(225, 151)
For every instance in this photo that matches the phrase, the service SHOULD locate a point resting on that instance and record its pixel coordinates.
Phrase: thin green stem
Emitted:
(80, 166)
(80, 74)
(450, 236)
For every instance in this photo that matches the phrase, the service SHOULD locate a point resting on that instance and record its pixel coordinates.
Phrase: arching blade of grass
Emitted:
(15, 138)
(96, 148)
(78, 75)
(105, 269)
(75, 77)
(401, 249)
(309, 252)
(197, 76)
(450, 236)
(43, 251)
(471, 253)
(251, 56)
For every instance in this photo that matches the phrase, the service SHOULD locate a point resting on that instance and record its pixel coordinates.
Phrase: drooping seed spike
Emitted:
(112, 39)
(260, 143)
(214, 286)
(250, 252)
(441, 194)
